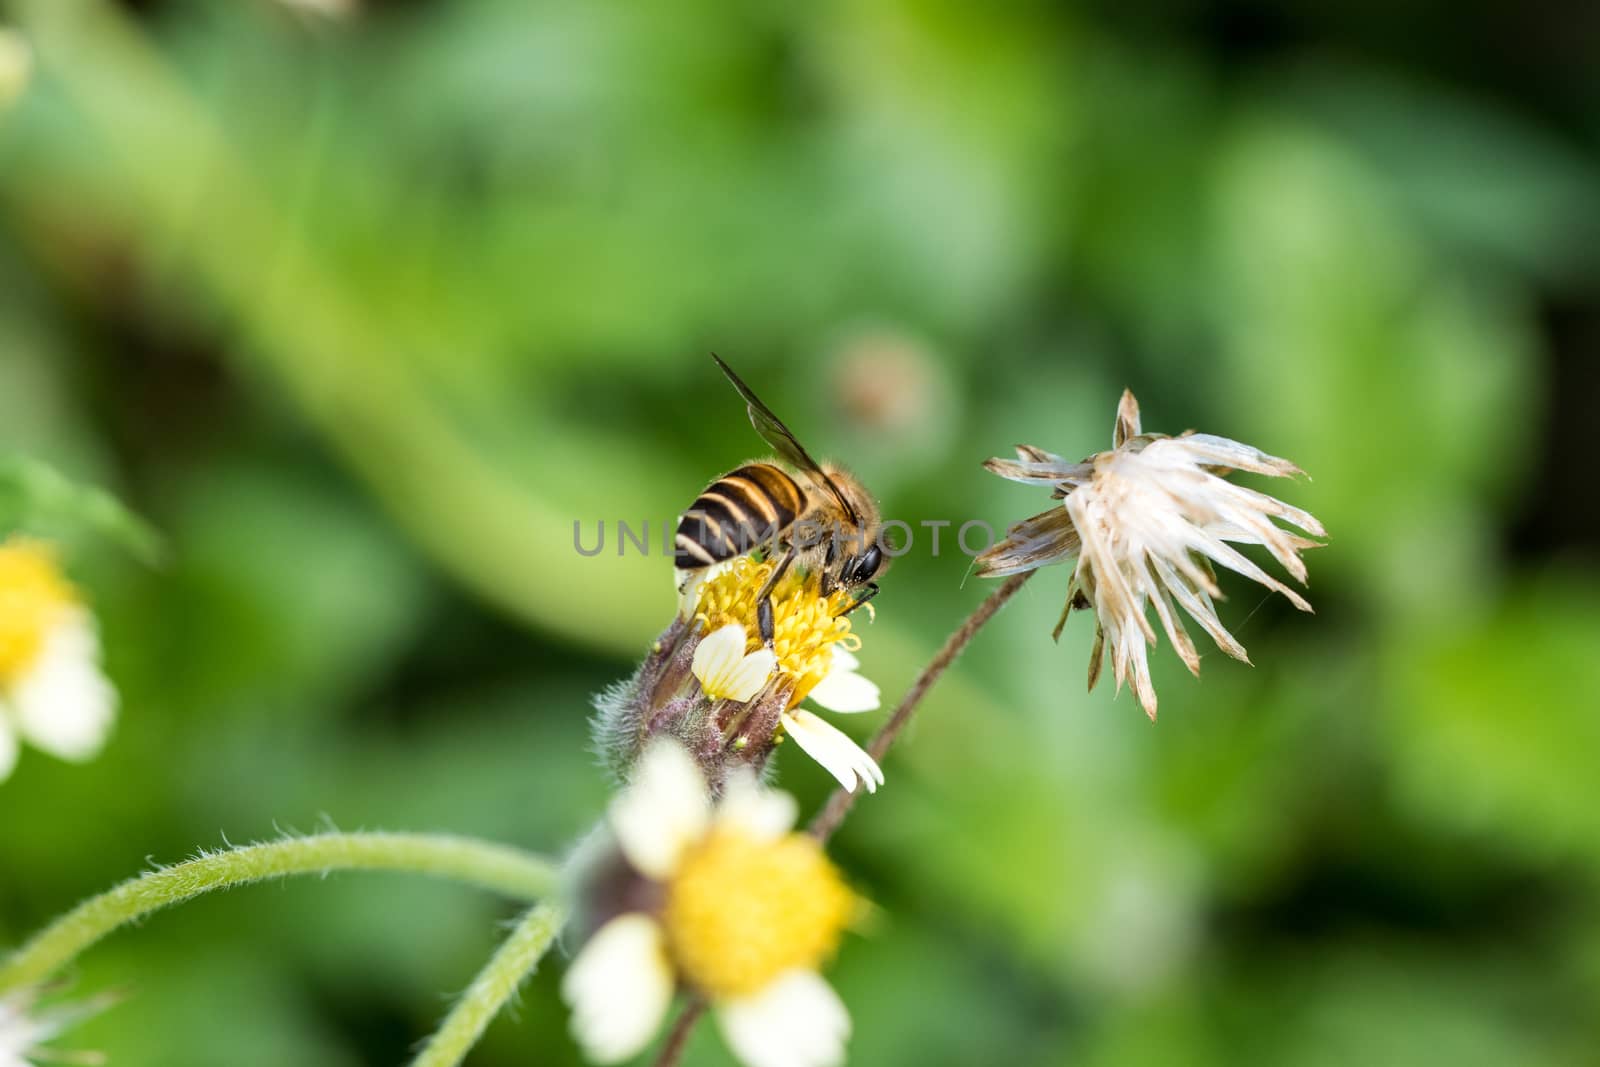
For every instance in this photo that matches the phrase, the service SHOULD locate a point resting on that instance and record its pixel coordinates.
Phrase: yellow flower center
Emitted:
(33, 596)
(742, 911)
(804, 622)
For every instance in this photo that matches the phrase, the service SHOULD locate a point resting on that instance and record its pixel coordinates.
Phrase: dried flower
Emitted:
(711, 684)
(52, 691)
(728, 902)
(1145, 521)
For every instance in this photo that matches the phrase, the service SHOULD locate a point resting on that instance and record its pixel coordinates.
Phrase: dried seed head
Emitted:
(1145, 522)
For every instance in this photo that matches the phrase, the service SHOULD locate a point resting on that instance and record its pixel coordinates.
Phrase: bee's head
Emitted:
(862, 556)
(854, 493)
(859, 570)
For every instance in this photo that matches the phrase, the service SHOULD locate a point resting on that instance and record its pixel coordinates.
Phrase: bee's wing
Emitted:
(776, 434)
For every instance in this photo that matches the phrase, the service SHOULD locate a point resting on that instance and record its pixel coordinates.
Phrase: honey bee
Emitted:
(824, 520)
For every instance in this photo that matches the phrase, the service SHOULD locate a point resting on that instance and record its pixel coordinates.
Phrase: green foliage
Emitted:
(36, 497)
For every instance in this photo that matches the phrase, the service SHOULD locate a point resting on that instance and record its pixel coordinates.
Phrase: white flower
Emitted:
(53, 693)
(1145, 521)
(24, 1029)
(725, 671)
(748, 912)
(808, 654)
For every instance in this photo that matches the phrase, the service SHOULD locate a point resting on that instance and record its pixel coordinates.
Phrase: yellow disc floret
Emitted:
(741, 911)
(805, 624)
(33, 597)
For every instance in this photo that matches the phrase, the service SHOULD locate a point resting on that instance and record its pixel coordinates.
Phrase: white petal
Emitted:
(751, 674)
(843, 658)
(1199, 607)
(620, 987)
(831, 747)
(718, 653)
(723, 669)
(662, 811)
(796, 1021)
(8, 748)
(1237, 562)
(64, 704)
(846, 692)
(765, 814)
(1224, 452)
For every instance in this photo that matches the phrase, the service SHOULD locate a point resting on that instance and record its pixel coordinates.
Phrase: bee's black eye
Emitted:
(866, 565)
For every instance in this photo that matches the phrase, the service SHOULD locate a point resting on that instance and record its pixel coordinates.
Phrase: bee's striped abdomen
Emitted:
(736, 512)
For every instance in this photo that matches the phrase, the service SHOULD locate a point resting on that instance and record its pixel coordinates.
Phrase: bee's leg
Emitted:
(764, 598)
(764, 620)
(870, 592)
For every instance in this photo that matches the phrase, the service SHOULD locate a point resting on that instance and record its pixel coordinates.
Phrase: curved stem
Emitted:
(839, 804)
(496, 983)
(463, 859)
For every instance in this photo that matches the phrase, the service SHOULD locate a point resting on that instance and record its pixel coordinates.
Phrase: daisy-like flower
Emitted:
(1145, 521)
(52, 691)
(738, 908)
(24, 1028)
(810, 657)
(710, 683)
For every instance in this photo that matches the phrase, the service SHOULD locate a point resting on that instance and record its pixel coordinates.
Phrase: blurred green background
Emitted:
(363, 312)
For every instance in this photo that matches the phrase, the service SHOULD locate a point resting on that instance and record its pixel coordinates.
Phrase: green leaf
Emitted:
(34, 494)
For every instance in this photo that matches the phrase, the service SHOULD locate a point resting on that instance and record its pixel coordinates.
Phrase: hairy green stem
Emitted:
(497, 983)
(482, 863)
